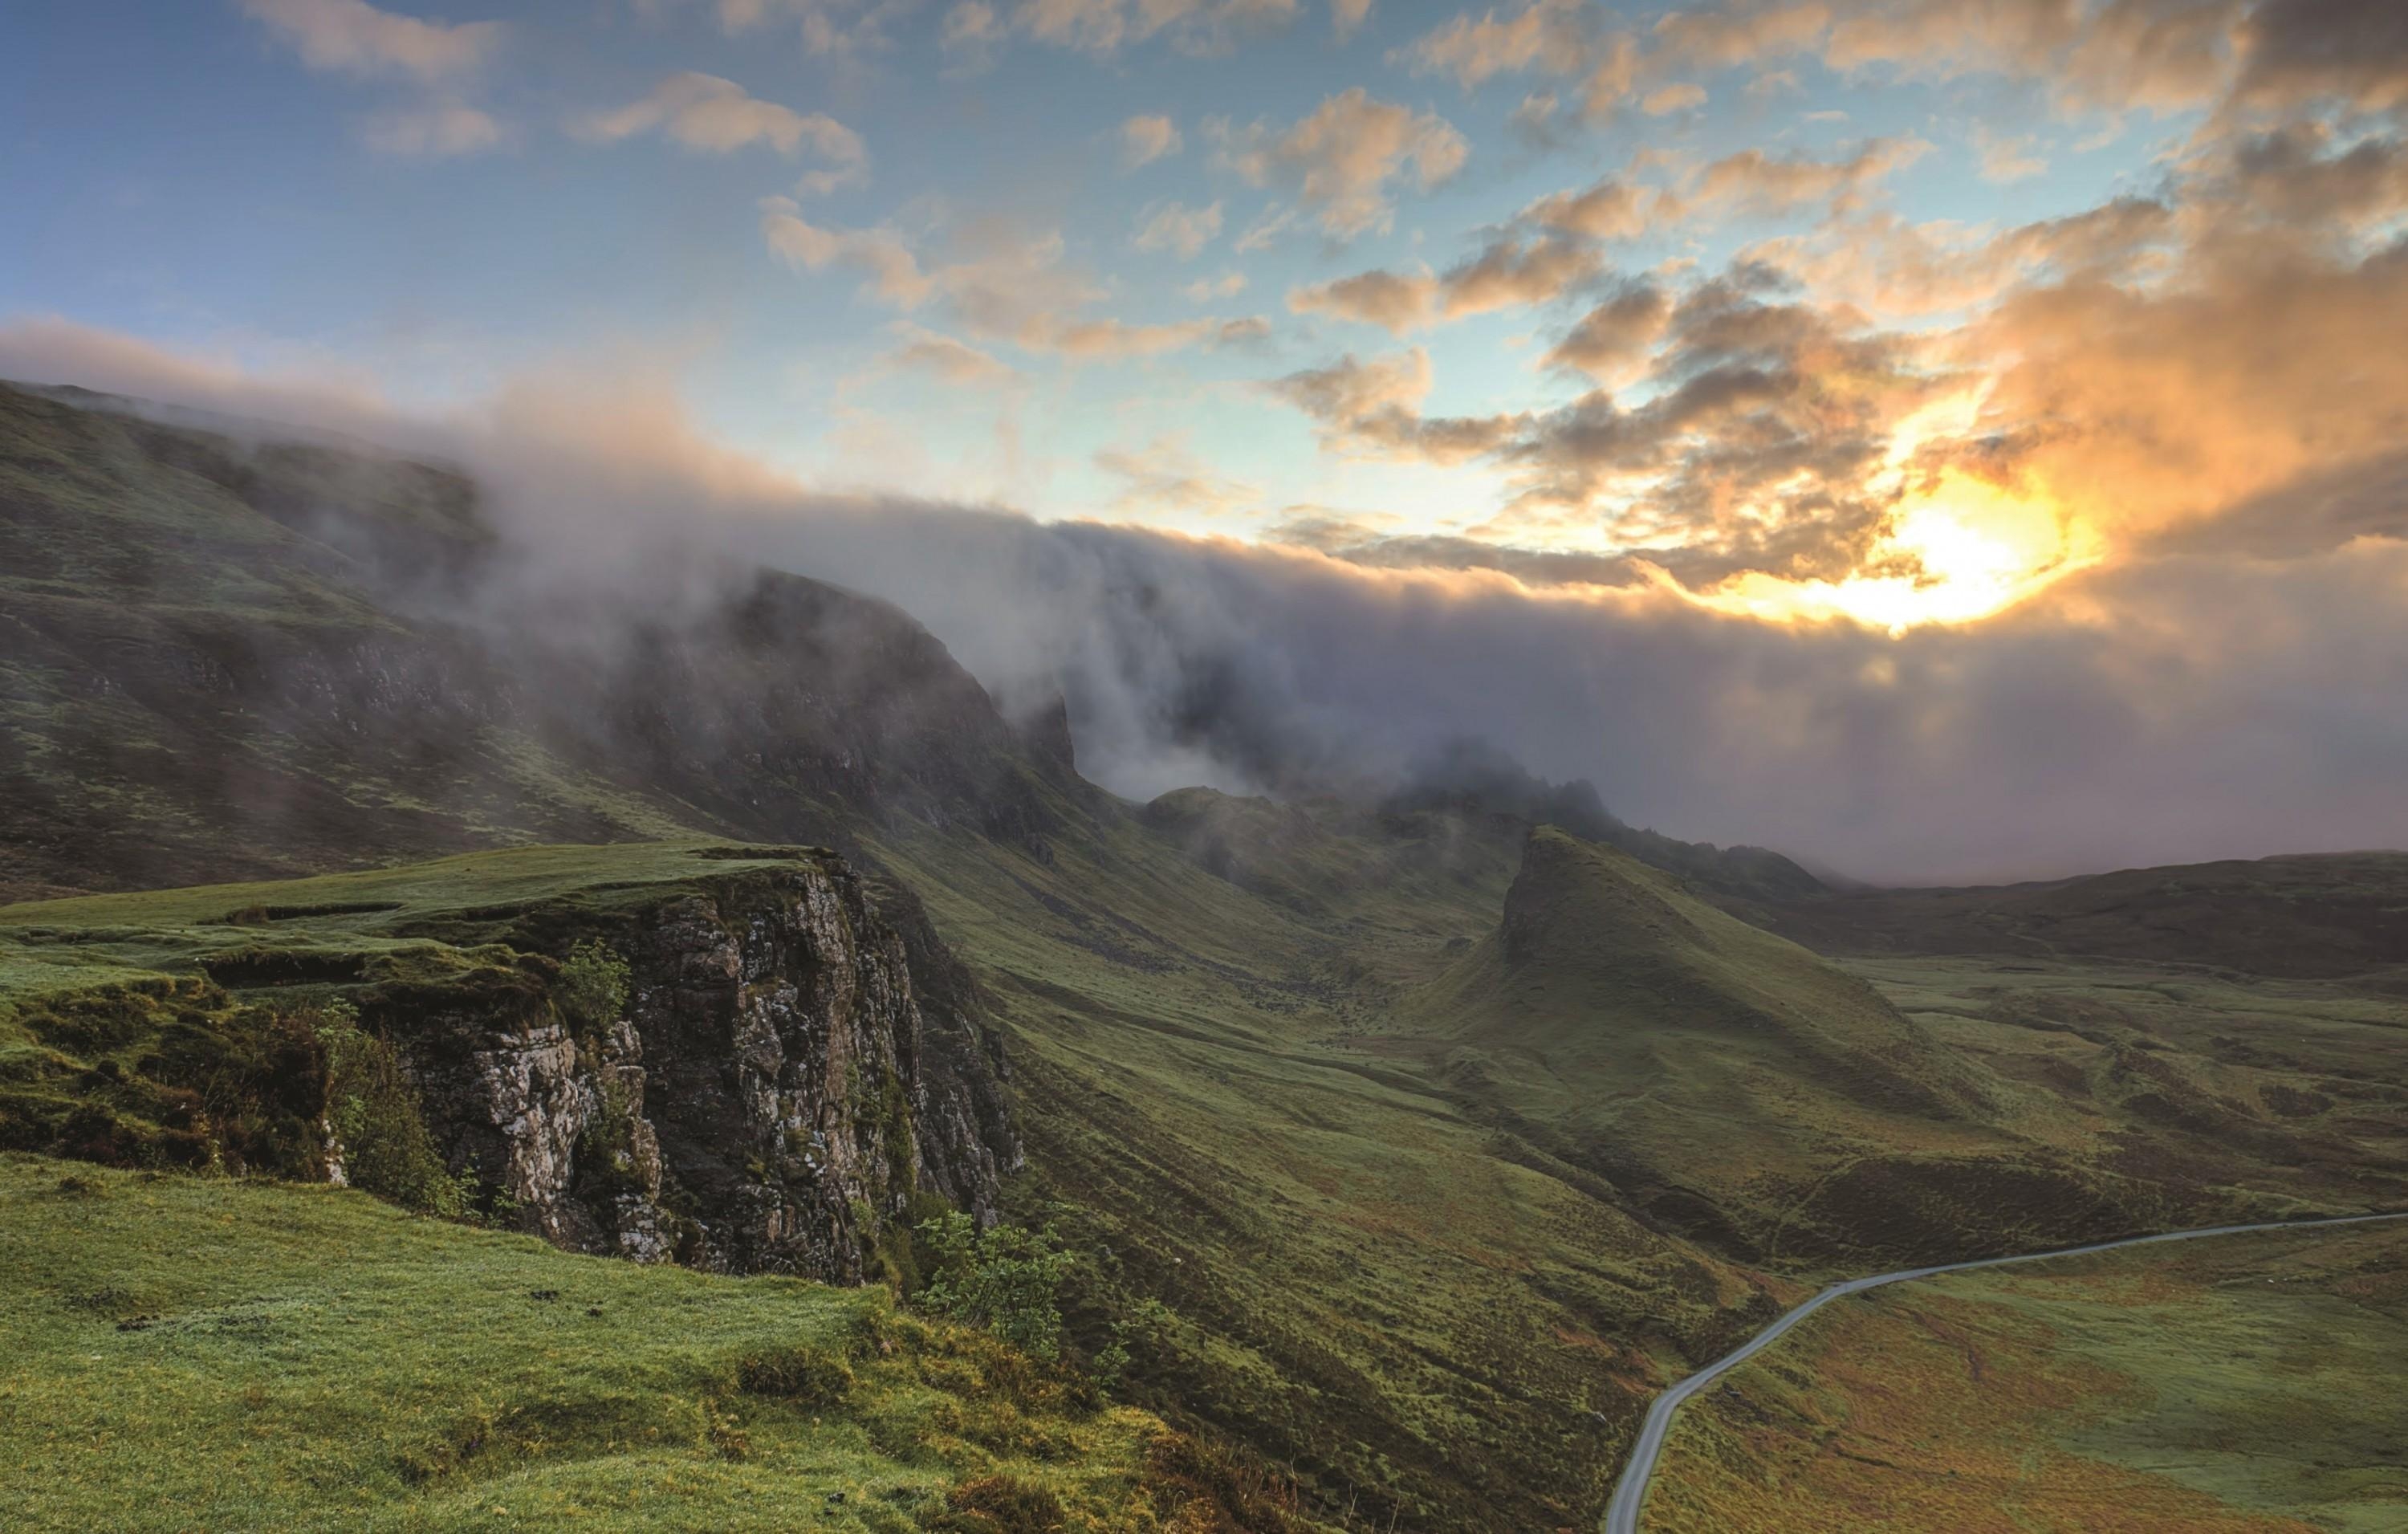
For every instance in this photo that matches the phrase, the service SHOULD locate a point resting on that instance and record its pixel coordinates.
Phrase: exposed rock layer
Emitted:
(793, 1067)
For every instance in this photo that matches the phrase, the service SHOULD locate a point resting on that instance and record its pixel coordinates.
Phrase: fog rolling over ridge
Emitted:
(2136, 713)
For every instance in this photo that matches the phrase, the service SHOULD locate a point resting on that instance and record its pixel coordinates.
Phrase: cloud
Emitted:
(882, 255)
(1343, 158)
(2217, 706)
(1732, 36)
(1146, 139)
(1511, 272)
(842, 29)
(1374, 409)
(1013, 289)
(1611, 209)
(355, 37)
(1204, 290)
(1164, 478)
(1177, 228)
(1551, 34)
(2006, 160)
(1193, 27)
(943, 357)
(713, 116)
(438, 131)
(1666, 100)
(1612, 341)
(2304, 51)
(1761, 186)
(1346, 17)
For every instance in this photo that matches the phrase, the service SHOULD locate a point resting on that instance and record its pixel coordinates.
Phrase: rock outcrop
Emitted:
(793, 1067)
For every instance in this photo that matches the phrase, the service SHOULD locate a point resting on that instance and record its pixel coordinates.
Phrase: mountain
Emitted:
(1478, 778)
(229, 660)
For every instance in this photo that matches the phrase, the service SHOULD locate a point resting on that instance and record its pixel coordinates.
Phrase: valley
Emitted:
(1407, 1142)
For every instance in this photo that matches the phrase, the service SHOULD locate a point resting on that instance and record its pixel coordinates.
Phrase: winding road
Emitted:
(1622, 1513)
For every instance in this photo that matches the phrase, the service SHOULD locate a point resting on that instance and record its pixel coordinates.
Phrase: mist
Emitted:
(2179, 705)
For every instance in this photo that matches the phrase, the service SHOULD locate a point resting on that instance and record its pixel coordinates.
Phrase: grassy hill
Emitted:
(2307, 917)
(189, 1352)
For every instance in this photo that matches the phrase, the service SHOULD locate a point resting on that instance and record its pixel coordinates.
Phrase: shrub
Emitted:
(373, 1109)
(803, 1375)
(999, 1504)
(1006, 1279)
(594, 982)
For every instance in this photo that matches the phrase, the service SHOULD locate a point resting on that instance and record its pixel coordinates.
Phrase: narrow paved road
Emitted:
(1622, 1513)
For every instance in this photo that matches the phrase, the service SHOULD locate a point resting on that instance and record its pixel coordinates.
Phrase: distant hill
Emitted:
(2336, 915)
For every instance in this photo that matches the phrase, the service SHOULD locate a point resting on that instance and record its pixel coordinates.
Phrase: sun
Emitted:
(1957, 551)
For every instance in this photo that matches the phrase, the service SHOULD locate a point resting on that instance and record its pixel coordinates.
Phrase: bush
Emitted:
(594, 982)
(1006, 1279)
(999, 1504)
(373, 1110)
(803, 1375)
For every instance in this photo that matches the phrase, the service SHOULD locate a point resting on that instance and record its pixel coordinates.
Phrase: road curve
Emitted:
(1622, 1513)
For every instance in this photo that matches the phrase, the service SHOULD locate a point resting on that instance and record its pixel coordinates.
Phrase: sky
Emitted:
(1950, 438)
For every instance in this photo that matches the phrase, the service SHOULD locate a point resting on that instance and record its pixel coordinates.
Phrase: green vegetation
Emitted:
(592, 986)
(209, 1353)
(1325, 1124)
(2244, 1383)
(1299, 1238)
(375, 1115)
(1005, 1278)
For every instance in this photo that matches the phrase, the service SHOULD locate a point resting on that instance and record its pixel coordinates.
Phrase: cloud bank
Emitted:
(2237, 694)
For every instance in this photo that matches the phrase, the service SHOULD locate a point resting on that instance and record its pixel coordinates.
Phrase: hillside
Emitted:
(2306, 917)
(224, 659)
(1765, 1101)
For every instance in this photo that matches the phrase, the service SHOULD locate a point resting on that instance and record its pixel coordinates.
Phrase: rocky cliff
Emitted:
(779, 1085)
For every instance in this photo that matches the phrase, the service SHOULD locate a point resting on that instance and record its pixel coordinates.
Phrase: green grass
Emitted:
(1431, 1203)
(2243, 1384)
(1426, 1316)
(194, 1354)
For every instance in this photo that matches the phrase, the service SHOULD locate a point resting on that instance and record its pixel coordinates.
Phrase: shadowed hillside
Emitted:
(225, 660)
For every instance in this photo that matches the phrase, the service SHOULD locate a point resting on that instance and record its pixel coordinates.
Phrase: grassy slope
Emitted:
(1411, 1307)
(190, 1354)
(2286, 1088)
(2247, 1384)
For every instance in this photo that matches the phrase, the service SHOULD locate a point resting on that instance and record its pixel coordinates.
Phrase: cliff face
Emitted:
(781, 1082)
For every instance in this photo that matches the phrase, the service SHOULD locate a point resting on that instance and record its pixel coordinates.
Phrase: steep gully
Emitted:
(1630, 1491)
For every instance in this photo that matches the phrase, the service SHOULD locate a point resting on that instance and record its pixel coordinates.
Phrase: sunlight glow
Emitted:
(1959, 551)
